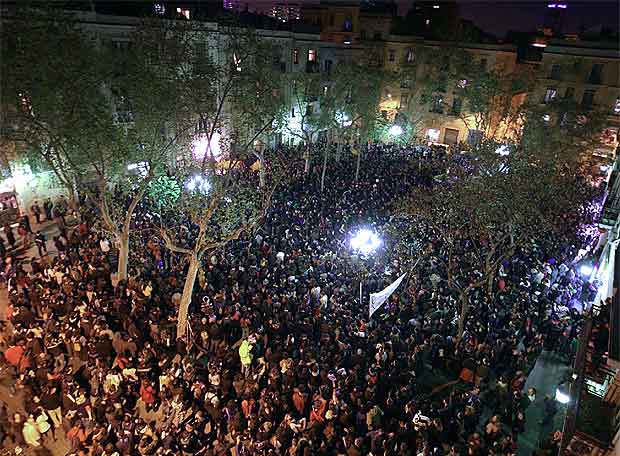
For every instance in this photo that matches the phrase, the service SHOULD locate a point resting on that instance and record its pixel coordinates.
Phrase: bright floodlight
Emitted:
(395, 130)
(198, 183)
(365, 241)
(561, 396)
(585, 270)
(201, 146)
(503, 150)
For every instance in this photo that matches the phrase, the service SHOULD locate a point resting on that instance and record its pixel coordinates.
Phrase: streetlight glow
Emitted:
(561, 396)
(586, 270)
(395, 130)
(365, 241)
(198, 183)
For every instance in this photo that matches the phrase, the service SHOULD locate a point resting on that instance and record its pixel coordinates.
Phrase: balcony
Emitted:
(593, 418)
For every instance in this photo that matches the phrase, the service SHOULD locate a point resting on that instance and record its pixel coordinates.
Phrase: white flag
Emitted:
(377, 299)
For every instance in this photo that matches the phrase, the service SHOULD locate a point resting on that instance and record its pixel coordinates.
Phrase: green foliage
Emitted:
(164, 191)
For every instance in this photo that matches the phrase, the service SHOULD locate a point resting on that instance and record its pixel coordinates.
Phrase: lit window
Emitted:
(311, 55)
(410, 56)
(550, 95)
(183, 12)
(462, 83)
(160, 9)
(617, 106)
(237, 62)
(295, 56)
(428, 22)
(432, 134)
(435, 6)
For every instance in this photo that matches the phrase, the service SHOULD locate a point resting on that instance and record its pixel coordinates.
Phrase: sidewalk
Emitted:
(15, 403)
(545, 376)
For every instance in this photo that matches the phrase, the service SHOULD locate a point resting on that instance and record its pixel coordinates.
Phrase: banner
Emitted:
(377, 299)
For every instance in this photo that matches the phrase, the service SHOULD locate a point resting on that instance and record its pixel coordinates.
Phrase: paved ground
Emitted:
(546, 375)
(15, 401)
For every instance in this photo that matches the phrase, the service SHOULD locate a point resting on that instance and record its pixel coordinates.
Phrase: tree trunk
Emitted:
(307, 160)
(338, 151)
(464, 308)
(123, 255)
(325, 154)
(261, 170)
(186, 298)
(357, 167)
(490, 285)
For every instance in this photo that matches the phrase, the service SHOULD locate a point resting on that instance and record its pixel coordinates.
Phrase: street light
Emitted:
(198, 183)
(586, 270)
(395, 130)
(562, 394)
(365, 241)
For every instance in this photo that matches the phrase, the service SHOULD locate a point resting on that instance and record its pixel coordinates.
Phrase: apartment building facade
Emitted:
(588, 73)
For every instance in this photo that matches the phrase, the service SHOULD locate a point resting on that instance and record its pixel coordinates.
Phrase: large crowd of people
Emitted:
(282, 357)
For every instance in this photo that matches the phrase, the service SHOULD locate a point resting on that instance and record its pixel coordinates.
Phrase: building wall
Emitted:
(572, 70)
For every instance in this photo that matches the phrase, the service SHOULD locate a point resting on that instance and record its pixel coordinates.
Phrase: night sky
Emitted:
(498, 17)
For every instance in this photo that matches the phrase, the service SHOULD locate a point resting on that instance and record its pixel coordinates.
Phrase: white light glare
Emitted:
(503, 150)
(201, 146)
(395, 130)
(365, 241)
(198, 183)
(586, 270)
(343, 119)
(561, 396)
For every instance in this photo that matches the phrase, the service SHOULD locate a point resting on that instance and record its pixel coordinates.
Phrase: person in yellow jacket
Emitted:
(246, 357)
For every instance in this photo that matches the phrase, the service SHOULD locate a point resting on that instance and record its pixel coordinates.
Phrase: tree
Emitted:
(258, 104)
(99, 116)
(215, 208)
(52, 78)
(356, 93)
(312, 110)
(488, 206)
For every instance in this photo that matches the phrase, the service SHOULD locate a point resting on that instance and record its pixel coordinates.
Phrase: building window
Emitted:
(555, 71)
(596, 75)
(451, 136)
(437, 104)
(474, 137)
(483, 64)
(328, 66)
(404, 99)
(160, 9)
(295, 56)
(410, 56)
(377, 36)
(588, 99)
(570, 93)
(391, 55)
(616, 109)
(183, 12)
(311, 55)
(462, 83)
(550, 95)
(347, 26)
(432, 134)
(457, 104)
(405, 83)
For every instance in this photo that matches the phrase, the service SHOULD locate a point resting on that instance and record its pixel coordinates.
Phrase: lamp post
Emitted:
(365, 242)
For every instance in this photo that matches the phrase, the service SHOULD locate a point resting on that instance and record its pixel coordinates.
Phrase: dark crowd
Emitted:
(282, 357)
